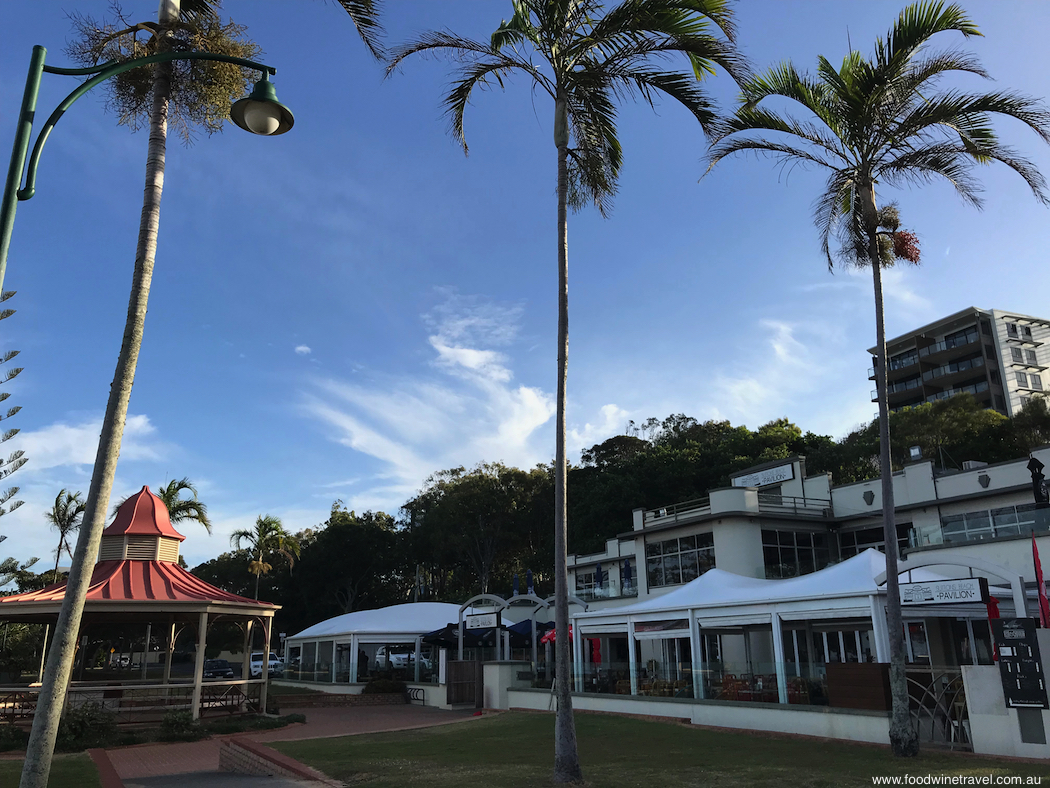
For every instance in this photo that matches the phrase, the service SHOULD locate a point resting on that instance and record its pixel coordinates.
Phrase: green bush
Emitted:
(180, 726)
(253, 723)
(384, 687)
(13, 738)
(86, 726)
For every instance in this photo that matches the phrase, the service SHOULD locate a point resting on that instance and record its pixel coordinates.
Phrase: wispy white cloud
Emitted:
(61, 444)
(303, 350)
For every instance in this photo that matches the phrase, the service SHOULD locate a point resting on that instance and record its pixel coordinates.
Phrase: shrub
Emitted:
(384, 687)
(180, 726)
(13, 738)
(87, 726)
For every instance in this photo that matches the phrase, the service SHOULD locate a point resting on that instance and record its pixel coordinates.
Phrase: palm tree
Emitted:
(65, 516)
(585, 58)
(885, 121)
(266, 540)
(193, 93)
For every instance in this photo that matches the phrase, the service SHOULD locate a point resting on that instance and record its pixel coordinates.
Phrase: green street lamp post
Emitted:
(259, 113)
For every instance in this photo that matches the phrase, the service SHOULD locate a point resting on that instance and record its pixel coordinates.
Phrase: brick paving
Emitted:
(160, 760)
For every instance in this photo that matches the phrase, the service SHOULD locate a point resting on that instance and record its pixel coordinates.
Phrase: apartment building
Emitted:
(999, 357)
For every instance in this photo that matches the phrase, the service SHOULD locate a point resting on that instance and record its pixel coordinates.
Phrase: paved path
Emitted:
(139, 764)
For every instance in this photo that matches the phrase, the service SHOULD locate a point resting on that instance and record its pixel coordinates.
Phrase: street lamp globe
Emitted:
(261, 112)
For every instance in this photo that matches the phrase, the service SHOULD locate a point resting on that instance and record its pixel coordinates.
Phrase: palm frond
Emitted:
(365, 16)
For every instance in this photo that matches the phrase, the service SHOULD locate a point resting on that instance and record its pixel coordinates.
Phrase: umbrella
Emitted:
(626, 573)
(529, 589)
(515, 584)
(551, 636)
(599, 580)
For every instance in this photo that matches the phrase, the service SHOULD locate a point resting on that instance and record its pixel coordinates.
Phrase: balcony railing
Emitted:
(679, 511)
(937, 347)
(953, 368)
(975, 388)
(783, 504)
(610, 589)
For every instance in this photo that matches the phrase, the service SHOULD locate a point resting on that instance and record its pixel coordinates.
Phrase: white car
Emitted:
(276, 667)
(398, 660)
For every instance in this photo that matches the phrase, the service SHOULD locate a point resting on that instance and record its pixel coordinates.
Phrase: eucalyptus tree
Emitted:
(65, 517)
(884, 121)
(265, 541)
(585, 58)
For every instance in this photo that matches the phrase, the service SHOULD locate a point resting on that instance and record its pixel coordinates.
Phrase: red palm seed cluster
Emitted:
(906, 246)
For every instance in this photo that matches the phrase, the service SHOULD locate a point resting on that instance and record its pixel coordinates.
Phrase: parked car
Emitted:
(217, 669)
(276, 665)
(398, 660)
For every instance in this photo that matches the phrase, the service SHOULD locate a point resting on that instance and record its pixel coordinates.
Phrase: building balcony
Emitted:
(975, 389)
(943, 347)
(679, 511)
(955, 368)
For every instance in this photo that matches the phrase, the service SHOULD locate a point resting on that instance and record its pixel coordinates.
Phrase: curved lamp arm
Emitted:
(104, 72)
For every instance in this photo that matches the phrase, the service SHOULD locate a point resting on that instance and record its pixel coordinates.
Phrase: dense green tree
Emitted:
(585, 57)
(65, 517)
(884, 120)
(226, 571)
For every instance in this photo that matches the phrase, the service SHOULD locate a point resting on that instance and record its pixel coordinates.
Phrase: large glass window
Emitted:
(675, 561)
(985, 524)
(790, 553)
(853, 542)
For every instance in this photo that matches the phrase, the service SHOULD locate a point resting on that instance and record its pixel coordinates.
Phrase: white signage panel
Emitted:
(482, 621)
(781, 473)
(945, 592)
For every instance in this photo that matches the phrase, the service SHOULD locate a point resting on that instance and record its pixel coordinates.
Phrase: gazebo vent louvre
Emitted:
(168, 550)
(142, 548)
(111, 549)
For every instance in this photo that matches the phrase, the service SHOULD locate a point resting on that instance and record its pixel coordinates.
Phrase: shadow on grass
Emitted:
(516, 750)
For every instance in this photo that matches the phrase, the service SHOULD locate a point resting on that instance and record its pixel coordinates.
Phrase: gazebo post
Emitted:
(246, 652)
(145, 648)
(43, 653)
(170, 649)
(265, 675)
(198, 668)
(418, 657)
(354, 664)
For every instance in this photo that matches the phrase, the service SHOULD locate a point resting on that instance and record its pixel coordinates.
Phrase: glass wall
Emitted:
(676, 561)
(791, 553)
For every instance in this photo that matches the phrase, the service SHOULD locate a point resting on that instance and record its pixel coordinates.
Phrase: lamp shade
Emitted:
(261, 112)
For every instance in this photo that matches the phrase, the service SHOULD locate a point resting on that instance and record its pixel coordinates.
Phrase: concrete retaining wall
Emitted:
(243, 756)
(820, 721)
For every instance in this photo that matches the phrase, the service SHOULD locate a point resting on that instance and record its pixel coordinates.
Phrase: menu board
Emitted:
(1020, 665)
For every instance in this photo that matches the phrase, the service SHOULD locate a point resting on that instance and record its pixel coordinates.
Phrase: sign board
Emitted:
(482, 621)
(1020, 666)
(780, 473)
(945, 592)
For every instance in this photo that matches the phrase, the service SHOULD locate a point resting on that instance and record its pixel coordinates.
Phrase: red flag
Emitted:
(993, 612)
(1044, 605)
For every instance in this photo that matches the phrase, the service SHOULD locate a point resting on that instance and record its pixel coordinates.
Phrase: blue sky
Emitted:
(341, 311)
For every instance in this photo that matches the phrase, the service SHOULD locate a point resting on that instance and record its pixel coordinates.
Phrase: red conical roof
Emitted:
(143, 514)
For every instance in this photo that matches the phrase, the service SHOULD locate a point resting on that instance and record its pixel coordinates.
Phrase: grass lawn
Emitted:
(516, 750)
(67, 771)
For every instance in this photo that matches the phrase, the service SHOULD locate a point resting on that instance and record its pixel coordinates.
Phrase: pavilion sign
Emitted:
(780, 473)
(945, 592)
(482, 621)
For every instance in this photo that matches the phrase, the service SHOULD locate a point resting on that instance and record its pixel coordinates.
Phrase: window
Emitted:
(1011, 330)
(1026, 333)
(998, 381)
(675, 561)
(853, 542)
(1000, 403)
(960, 338)
(989, 352)
(790, 553)
(1029, 357)
(1025, 401)
(585, 581)
(986, 328)
(1004, 521)
(1022, 379)
(905, 359)
(1016, 355)
(1035, 382)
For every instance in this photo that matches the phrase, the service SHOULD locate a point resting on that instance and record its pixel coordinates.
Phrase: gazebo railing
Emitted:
(142, 703)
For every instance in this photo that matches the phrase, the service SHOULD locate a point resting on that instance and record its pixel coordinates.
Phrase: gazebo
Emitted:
(138, 581)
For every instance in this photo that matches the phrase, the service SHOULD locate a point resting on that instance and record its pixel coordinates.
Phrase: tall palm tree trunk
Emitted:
(566, 756)
(903, 739)
(63, 647)
(257, 576)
